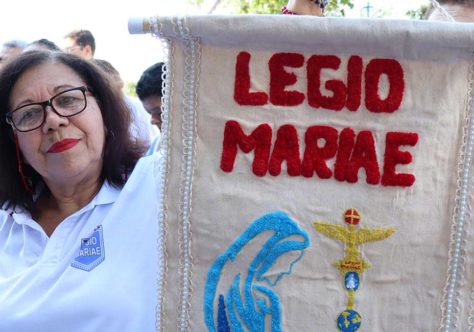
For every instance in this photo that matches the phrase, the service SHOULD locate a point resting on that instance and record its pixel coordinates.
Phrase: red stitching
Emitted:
(351, 153)
(242, 94)
(354, 83)
(315, 64)
(315, 157)
(364, 155)
(286, 148)
(259, 140)
(346, 145)
(393, 156)
(279, 79)
(394, 72)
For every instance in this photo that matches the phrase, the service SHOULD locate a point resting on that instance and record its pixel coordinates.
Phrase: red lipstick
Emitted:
(63, 145)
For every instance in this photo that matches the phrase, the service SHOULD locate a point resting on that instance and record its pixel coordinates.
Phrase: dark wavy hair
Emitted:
(151, 81)
(121, 152)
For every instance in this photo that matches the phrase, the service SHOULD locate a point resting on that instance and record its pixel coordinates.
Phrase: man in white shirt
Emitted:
(81, 43)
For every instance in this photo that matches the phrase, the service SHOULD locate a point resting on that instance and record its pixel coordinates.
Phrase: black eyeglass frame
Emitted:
(44, 104)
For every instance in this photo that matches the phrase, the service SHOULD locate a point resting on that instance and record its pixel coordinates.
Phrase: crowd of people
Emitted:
(82, 44)
(79, 192)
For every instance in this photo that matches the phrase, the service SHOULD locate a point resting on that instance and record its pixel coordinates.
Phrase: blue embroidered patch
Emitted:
(92, 251)
(352, 280)
(249, 305)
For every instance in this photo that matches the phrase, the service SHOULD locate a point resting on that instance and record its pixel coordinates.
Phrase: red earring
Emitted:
(24, 182)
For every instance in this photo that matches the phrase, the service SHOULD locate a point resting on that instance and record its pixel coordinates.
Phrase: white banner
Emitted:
(318, 174)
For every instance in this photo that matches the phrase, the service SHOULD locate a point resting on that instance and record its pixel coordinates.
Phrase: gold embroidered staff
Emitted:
(352, 265)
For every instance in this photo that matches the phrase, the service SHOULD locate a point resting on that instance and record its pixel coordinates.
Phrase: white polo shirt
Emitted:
(98, 270)
(140, 126)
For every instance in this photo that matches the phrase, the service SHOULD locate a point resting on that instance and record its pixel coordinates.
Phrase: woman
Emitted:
(78, 228)
(305, 7)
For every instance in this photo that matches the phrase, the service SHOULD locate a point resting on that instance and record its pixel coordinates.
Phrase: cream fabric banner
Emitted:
(318, 175)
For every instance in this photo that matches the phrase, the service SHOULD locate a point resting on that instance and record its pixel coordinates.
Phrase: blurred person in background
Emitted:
(149, 91)
(81, 43)
(11, 49)
(140, 126)
(42, 45)
(305, 7)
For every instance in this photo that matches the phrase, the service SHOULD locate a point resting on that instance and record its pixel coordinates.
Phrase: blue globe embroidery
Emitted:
(349, 321)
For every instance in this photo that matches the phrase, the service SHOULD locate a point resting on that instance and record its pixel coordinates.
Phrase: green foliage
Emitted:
(338, 7)
(334, 8)
(196, 2)
(129, 89)
(417, 14)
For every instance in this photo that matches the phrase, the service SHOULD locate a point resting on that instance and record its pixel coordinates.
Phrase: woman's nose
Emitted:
(53, 120)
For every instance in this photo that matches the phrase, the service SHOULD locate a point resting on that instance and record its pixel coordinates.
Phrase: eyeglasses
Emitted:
(32, 116)
(74, 48)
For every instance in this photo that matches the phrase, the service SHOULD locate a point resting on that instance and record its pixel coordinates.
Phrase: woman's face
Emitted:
(63, 150)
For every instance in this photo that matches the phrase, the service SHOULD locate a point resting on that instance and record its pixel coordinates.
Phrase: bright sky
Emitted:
(30, 20)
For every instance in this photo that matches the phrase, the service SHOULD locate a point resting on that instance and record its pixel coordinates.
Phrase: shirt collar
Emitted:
(107, 194)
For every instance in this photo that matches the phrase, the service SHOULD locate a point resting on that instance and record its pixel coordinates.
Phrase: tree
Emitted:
(129, 89)
(334, 8)
(338, 7)
(417, 14)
